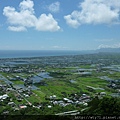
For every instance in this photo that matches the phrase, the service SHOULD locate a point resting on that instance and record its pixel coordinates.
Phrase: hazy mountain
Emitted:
(108, 50)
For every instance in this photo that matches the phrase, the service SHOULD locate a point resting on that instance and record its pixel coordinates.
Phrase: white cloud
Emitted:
(59, 47)
(17, 29)
(26, 18)
(109, 46)
(71, 21)
(95, 12)
(47, 23)
(54, 7)
(27, 5)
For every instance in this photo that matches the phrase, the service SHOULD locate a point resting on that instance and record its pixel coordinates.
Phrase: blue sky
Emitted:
(59, 24)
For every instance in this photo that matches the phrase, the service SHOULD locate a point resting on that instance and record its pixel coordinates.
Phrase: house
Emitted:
(9, 89)
(49, 106)
(102, 93)
(26, 95)
(54, 96)
(51, 97)
(70, 101)
(65, 99)
(23, 106)
(85, 104)
(15, 109)
(60, 102)
(12, 104)
(55, 103)
(2, 97)
(5, 113)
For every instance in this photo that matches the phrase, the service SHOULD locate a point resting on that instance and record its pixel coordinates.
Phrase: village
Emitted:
(62, 81)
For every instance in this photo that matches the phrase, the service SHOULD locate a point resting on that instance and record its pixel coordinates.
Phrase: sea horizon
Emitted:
(39, 53)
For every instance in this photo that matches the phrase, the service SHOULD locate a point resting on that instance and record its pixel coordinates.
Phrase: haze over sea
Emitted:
(37, 53)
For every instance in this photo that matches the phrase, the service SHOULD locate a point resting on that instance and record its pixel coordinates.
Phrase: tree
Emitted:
(105, 106)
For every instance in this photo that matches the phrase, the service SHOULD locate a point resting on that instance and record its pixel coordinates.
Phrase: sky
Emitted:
(59, 24)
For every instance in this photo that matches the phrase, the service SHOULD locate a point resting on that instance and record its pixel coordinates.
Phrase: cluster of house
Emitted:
(75, 100)
(85, 72)
(115, 84)
(20, 70)
(19, 94)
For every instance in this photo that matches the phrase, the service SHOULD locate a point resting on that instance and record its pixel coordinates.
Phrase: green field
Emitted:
(61, 83)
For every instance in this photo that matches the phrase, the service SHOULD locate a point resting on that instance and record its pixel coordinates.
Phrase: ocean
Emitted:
(37, 53)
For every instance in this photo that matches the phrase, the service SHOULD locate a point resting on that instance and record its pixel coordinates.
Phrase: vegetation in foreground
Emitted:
(104, 106)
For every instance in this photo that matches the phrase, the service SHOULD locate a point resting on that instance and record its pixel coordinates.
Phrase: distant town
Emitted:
(60, 85)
